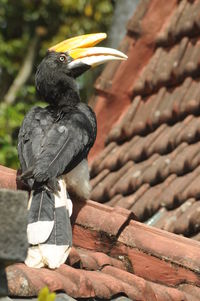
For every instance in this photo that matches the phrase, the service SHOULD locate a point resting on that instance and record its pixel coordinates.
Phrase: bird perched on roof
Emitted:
(53, 145)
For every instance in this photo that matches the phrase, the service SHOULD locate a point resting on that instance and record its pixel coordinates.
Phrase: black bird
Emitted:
(53, 145)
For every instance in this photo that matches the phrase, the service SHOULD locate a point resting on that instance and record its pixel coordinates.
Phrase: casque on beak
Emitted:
(81, 50)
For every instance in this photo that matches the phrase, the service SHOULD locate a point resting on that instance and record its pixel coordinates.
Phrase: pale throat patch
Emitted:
(78, 180)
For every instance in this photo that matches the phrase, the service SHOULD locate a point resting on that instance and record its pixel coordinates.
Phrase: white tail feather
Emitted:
(53, 255)
(42, 254)
(61, 197)
(39, 232)
(34, 258)
(47, 255)
(78, 180)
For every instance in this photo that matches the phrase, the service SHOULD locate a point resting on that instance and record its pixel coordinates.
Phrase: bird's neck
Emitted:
(57, 88)
(68, 99)
(65, 93)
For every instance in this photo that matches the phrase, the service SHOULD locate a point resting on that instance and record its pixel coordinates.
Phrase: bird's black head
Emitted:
(55, 79)
(55, 76)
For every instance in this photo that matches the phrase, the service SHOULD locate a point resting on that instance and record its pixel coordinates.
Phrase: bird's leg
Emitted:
(59, 115)
(27, 174)
(53, 185)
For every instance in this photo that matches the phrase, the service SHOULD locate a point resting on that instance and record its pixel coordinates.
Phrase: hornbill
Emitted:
(53, 145)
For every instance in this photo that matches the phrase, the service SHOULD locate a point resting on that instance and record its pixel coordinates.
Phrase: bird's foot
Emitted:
(53, 185)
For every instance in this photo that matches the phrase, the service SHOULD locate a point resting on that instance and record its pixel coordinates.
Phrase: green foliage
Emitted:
(52, 21)
(11, 118)
(45, 295)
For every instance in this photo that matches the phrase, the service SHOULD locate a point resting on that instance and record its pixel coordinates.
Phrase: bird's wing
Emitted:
(49, 229)
(58, 147)
(31, 135)
(67, 143)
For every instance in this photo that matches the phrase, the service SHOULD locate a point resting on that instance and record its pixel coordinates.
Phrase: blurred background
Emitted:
(27, 29)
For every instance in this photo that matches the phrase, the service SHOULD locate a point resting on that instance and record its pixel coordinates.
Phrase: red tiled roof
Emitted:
(114, 255)
(149, 167)
(150, 162)
(115, 85)
(103, 284)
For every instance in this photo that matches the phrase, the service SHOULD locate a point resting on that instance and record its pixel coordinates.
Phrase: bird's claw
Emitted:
(53, 185)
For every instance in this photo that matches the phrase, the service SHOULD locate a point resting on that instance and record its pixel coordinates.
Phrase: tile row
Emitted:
(184, 21)
(122, 257)
(153, 171)
(166, 106)
(169, 67)
(163, 140)
(104, 284)
(147, 202)
(184, 220)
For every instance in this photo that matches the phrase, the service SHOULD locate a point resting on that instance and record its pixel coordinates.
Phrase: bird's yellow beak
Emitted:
(87, 40)
(81, 50)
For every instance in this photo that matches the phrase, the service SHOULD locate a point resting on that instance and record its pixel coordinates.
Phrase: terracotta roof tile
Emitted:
(167, 220)
(183, 220)
(189, 221)
(122, 130)
(119, 257)
(96, 261)
(156, 169)
(151, 201)
(147, 290)
(9, 179)
(134, 150)
(132, 179)
(177, 63)
(99, 178)
(104, 285)
(118, 217)
(150, 165)
(190, 289)
(102, 191)
(146, 201)
(156, 139)
(196, 237)
(139, 46)
(104, 82)
(130, 235)
(113, 202)
(128, 201)
(97, 163)
(173, 191)
(184, 21)
(172, 106)
(159, 134)
(134, 24)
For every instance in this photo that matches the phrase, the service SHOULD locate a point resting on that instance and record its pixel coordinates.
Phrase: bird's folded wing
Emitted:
(65, 146)
(49, 229)
(47, 147)
(31, 136)
(55, 250)
(40, 216)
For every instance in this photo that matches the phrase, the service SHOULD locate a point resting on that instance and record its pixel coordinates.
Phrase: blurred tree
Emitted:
(122, 13)
(27, 29)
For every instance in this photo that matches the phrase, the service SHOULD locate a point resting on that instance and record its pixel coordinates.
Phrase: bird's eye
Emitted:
(62, 58)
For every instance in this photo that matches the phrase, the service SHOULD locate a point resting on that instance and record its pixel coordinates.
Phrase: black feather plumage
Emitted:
(51, 147)
(52, 141)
